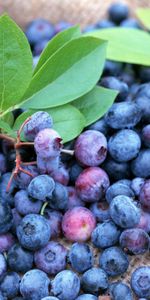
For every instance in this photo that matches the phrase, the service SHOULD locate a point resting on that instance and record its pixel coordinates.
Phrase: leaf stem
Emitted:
(43, 208)
(66, 151)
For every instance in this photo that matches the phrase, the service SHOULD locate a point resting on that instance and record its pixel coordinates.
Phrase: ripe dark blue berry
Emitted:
(118, 12)
(135, 241)
(20, 259)
(81, 257)
(117, 189)
(3, 266)
(41, 187)
(94, 281)
(39, 29)
(120, 291)
(140, 282)
(140, 166)
(10, 285)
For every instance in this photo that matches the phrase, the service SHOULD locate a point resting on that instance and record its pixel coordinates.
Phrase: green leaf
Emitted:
(56, 43)
(68, 121)
(144, 15)
(126, 45)
(9, 118)
(15, 63)
(5, 127)
(70, 73)
(95, 104)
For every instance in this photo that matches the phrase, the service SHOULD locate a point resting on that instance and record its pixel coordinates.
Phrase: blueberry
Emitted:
(23, 180)
(6, 241)
(100, 210)
(10, 285)
(7, 197)
(34, 285)
(6, 218)
(137, 184)
(1, 296)
(112, 68)
(54, 219)
(48, 165)
(130, 23)
(105, 235)
(16, 220)
(60, 287)
(118, 189)
(143, 103)
(124, 145)
(41, 187)
(105, 24)
(140, 165)
(145, 196)
(146, 135)
(116, 170)
(73, 199)
(120, 291)
(40, 46)
(47, 143)
(61, 174)
(19, 259)
(145, 74)
(62, 25)
(140, 282)
(74, 172)
(33, 232)
(100, 125)
(116, 84)
(50, 298)
(144, 222)
(59, 199)
(135, 240)
(2, 164)
(90, 28)
(91, 148)
(91, 184)
(126, 182)
(118, 12)
(39, 29)
(3, 266)
(26, 205)
(52, 258)
(86, 297)
(39, 120)
(123, 115)
(124, 212)
(94, 281)
(81, 257)
(114, 261)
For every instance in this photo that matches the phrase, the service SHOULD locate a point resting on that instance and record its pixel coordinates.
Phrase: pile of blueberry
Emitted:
(91, 196)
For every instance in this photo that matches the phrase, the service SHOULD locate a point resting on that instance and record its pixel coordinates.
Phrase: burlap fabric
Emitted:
(75, 11)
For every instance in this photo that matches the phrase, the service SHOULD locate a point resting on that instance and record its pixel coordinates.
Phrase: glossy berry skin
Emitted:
(124, 212)
(118, 12)
(39, 29)
(61, 288)
(135, 241)
(105, 235)
(78, 224)
(118, 189)
(86, 297)
(124, 145)
(90, 148)
(145, 196)
(114, 261)
(6, 241)
(41, 187)
(92, 184)
(140, 282)
(6, 218)
(26, 205)
(33, 232)
(59, 198)
(61, 174)
(39, 121)
(117, 170)
(19, 259)
(3, 266)
(94, 280)
(80, 257)
(47, 143)
(144, 222)
(120, 291)
(34, 285)
(100, 210)
(140, 166)
(50, 298)
(73, 199)
(137, 184)
(10, 285)
(146, 135)
(52, 258)
(23, 180)
(54, 219)
(123, 115)
(116, 84)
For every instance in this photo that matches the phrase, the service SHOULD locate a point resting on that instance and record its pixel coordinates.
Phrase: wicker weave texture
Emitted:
(82, 12)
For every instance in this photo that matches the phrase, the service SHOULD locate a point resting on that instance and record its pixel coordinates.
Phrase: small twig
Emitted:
(6, 137)
(70, 152)
(20, 144)
(31, 163)
(43, 208)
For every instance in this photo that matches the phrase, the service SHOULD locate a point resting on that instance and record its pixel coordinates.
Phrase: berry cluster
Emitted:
(59, 206)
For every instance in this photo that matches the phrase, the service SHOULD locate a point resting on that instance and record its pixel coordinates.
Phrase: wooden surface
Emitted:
(75, 11)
